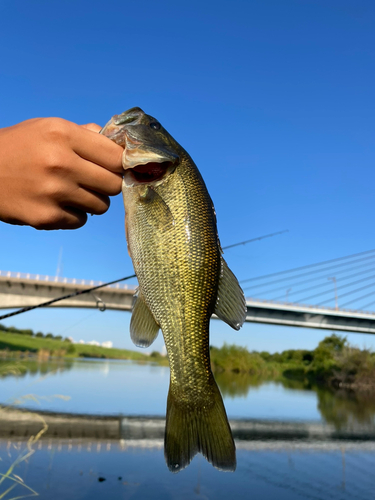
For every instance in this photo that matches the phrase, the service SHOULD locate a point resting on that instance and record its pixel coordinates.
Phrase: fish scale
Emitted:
(192, 285)
(183, 279)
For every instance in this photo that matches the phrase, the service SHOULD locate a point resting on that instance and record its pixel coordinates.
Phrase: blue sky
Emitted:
(273, 100)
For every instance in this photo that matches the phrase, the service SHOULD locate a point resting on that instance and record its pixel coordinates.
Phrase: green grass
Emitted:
(18, 343)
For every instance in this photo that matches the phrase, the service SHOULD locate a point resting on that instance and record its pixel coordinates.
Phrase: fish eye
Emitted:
(155, 125)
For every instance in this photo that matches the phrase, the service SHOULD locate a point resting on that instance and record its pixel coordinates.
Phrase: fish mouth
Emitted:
(152, 173)
(145, 163)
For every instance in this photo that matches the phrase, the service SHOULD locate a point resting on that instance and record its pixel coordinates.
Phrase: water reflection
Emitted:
(33, 367)
(132, 389)
(341, 408)
(346, 409)
(235, 385)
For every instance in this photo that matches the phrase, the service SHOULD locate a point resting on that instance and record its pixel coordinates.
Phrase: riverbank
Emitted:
(24, 346)
(333, 363)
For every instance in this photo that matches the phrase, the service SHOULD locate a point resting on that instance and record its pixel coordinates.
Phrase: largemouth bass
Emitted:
(183, 279)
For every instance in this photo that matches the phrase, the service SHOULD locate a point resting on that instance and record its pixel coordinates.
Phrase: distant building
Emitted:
(107, 344)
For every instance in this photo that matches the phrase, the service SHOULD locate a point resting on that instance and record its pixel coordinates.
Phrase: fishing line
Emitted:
(255, 239)
(77, 322)
(74, 294)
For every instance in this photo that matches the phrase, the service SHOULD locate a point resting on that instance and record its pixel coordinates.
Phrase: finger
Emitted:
(88, 202)
(97, 148)
(95, 178)
(59, 218)
(73, 219)
(92, 126)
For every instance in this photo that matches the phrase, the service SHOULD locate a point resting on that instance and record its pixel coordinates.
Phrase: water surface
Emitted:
(113, 387)
(268, 468)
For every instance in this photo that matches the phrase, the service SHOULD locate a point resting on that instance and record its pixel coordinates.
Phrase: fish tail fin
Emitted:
(191, 429)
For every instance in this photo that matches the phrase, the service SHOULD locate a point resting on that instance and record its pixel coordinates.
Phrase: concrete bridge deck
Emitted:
(21, 290)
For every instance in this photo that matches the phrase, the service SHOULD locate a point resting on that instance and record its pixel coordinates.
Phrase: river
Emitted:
(292, 441)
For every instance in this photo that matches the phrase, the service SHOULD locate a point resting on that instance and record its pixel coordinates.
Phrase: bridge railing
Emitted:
(59, 279)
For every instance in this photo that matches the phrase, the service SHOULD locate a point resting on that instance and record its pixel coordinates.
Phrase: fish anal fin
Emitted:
(230, 303)
(193, 429)
(143, 327)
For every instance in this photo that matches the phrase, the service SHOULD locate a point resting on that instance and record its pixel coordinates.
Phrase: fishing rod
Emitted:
(88, 290)
(74, 294)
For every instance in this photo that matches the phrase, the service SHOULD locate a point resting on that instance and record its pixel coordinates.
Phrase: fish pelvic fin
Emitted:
(191, 429)
(143, 327)
(230, 303)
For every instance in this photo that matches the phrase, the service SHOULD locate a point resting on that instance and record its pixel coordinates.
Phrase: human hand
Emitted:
(53, 172)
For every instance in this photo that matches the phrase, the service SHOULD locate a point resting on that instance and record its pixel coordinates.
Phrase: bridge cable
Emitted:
(360, 298)
(351, 292)
(339, 288)
(281, 280)
(307, 266)
(80, 292)
(369, 304)
(325, 284)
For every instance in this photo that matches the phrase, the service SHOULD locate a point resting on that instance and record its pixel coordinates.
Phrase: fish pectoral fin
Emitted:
(230, 303)
(143, 327)
(155, 211)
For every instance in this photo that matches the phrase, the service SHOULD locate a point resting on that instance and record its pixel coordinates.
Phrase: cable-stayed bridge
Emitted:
(311, 296)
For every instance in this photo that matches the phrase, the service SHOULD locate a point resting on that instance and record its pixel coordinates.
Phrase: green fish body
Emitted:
(183, 280)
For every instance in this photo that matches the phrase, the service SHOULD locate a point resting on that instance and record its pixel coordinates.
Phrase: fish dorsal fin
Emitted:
(230, 303)
(143, 327)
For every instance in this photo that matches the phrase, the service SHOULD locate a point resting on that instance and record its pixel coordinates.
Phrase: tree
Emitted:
(334, 342)
(28, 332)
